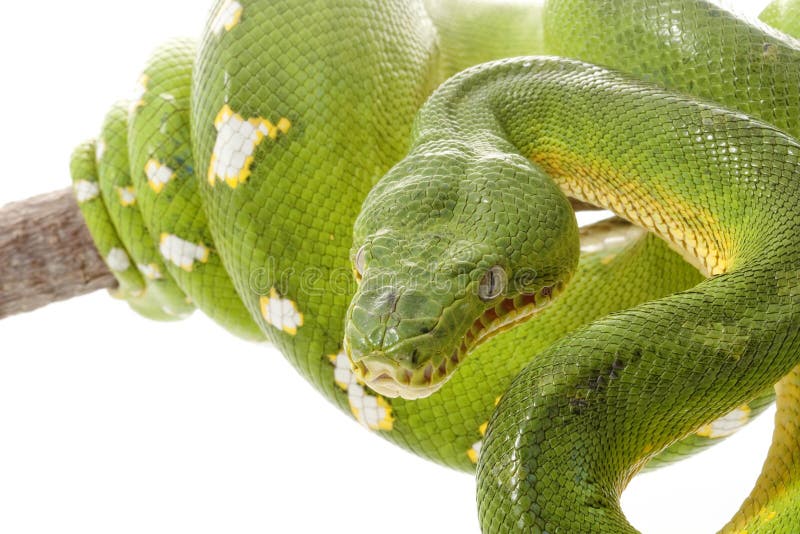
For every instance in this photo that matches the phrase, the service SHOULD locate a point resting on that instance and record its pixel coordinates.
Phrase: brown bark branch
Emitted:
(46, 254)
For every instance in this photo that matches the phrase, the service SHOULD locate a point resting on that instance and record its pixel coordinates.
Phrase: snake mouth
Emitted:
(392, 381)
(389, 378)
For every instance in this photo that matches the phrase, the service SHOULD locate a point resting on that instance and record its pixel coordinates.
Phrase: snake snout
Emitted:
(384, 317)
(393, 343)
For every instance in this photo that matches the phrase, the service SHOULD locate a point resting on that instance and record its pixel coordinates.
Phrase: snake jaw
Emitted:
(382, 371)
(393, 380)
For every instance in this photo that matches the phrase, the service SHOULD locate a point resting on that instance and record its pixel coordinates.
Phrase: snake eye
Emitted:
(493, 283)
(360, 261)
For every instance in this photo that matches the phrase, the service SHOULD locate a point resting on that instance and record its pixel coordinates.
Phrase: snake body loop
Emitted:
(592, 391)
(253, 172)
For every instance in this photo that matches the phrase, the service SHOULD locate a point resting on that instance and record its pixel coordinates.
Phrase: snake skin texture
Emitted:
(257, 170)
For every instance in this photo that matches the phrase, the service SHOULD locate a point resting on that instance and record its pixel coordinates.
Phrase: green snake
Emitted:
(426, 274)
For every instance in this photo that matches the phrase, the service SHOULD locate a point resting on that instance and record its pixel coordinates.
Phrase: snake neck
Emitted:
(637, 165)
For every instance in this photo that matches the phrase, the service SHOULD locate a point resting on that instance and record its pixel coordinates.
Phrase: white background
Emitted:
(112, 423)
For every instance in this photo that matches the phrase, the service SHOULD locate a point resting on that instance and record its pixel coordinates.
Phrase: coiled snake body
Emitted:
(252, 174)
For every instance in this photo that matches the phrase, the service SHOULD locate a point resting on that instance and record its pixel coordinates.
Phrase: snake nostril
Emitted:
(414, 357)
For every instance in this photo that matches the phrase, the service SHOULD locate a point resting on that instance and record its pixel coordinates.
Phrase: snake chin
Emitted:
(389, 379)
(387, 386)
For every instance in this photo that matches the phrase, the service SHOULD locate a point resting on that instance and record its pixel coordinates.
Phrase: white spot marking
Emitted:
(118, 260)
(86, 190)
(150, 271)
(158, 175)
(727, 424)
(127, 196)
(181, 252)
(475, 452)
(99, 150)
(228, 16)
(237, 139)
(369, 409)
(281, 313)
(137, 99)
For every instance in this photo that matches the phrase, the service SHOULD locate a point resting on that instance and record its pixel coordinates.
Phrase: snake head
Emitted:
(451, 247)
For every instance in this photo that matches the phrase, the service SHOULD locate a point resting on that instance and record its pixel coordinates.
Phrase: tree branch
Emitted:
(46, 254)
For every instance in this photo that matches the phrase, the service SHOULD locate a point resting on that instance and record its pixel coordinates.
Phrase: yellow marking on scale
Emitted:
(127, 196)
(766, 515)
(137, 100)
(701, 244)
(150, 271)
(726, 425)
(475, 451)
(228, 17)
(158, 175)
